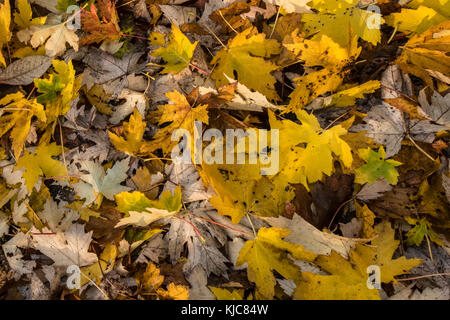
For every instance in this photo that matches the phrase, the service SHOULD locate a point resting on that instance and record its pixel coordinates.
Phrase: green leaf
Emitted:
(64, 4)
(376, 167)
(421, 229)
(50, 88)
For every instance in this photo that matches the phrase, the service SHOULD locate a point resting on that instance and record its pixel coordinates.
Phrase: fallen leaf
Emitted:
(348, 279)
(65, 249)
(245, 55)
(25, 70)
(99, 30)
(58, 35)
(96, 182)
(178, 52)
(265, 254)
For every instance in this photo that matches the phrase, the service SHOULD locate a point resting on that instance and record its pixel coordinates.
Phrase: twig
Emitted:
(429, 247)
(62, 144)
(341, 116)
(425, 276)
(337, 210)
(251, 224)
(419, 148)
(214, 35)
(199, 69)
(133, 36)
(393, 34)
(63, 177)
(275, 23)
(228, 24)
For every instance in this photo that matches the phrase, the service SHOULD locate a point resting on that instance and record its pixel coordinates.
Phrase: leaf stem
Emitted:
(222, 225)
(195, 228)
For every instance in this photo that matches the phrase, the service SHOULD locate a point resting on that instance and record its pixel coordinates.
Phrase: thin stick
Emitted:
(228, 24)
(419, 148)
(63, 177)
(215, 36)
(429, 247)
(95, 285)
(124, 4)
(151, 159)
(342, 115)
(393, 34)
(32, 90)
(251, 224)
(337, 210)
(130, 35)
(425, 276)
(199, 69)
(62, 144)
(275, 24)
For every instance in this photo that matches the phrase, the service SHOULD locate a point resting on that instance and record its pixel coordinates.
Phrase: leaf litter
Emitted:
(88, 181)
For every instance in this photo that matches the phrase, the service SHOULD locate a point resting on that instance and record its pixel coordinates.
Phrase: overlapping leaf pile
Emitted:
(355, 102)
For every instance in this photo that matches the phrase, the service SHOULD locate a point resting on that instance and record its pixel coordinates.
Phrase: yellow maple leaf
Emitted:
(5, 34)
(58, 35)
(345, 14)
(151, 279)
(181, 115)
(242, 190)
(134, 131)
(104, 264)
(347, 96)
(28, 51)
(348, 279)
(311, 86)
(23, 17)
(367, 217)
(41, 163)
(426, 55)
(174, 292)
(225, 294)
(421, 15)
(267, 253)
(325, 53)
(17, 115)
(178, 52)
(245, 55)
(59, 90)
(308, 164)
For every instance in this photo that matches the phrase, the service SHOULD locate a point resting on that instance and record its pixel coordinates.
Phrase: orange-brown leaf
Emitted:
(106, 28)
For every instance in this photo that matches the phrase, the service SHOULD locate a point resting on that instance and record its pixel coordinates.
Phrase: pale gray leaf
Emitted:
(104, 67)
(372, 191)
(200, 253)
(438, 110)
(25, 70)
